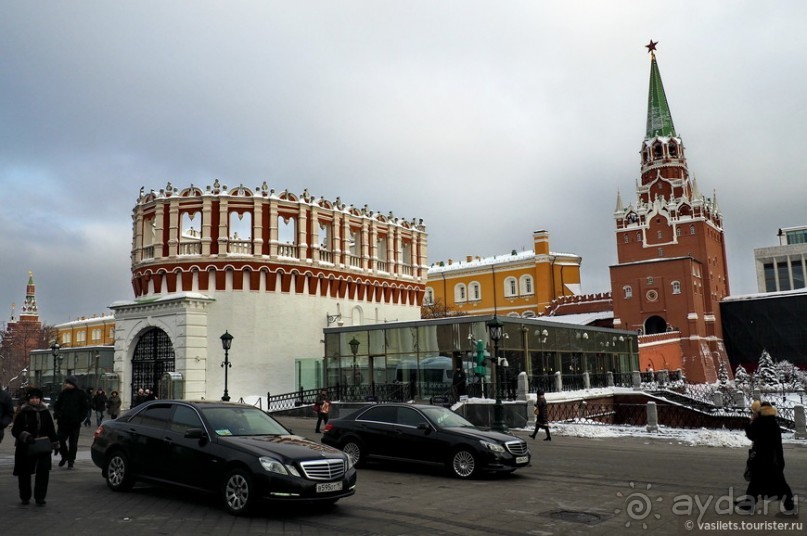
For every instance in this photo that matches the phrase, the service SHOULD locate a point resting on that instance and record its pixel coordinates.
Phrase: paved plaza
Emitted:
(575, 486)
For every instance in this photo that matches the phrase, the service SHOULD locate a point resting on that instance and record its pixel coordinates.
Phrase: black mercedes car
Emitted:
(428, 434)
(237, 451)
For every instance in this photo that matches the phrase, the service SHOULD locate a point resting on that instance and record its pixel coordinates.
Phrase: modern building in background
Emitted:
(416, 359)
(671, 272)
(772, 322)
(271, 269)
(520, 284)
(773, 319)
(783, 267)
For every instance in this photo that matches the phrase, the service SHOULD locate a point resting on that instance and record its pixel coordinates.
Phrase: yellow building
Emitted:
(517, 284)
(93, 331)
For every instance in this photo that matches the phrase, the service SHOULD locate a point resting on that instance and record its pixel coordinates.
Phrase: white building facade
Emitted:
(271, 269)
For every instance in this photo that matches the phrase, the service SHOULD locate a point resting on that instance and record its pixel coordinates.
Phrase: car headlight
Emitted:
(274, 466)
(493, 447)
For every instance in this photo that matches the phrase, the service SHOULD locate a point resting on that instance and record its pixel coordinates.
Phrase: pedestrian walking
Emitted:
(36, 439)
(99, 405)
(88, 416)
(540, 415)
(70, 410)
(322, 407)
(458, 381)
(6, 412)
(765, 469)
(113, 405)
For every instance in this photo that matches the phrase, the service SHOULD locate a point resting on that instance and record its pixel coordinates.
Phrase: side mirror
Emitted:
(425, 427)
(196, 433)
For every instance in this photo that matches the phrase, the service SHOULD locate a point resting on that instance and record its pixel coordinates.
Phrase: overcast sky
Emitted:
(488, 120)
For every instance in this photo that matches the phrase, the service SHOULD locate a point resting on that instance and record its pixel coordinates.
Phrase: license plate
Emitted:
(330, 486)
(522, 459)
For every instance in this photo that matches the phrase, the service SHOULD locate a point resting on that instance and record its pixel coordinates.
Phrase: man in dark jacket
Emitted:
(6, 412)
(70, 410)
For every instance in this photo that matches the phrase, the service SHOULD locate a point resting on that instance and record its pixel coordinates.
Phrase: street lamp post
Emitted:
(354, 349)
(57, 365)
(495, 330)
(226, 342)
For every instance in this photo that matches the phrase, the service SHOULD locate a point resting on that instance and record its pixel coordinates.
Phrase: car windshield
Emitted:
(446, 418)
(241, 421)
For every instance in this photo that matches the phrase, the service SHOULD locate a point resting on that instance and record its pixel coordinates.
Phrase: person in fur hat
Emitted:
(768, 465)
(33, 420)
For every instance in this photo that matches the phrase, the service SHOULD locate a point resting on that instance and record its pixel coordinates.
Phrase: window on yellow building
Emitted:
(526, 285)
(460, 293)
(96, 334)
(510, 287)
(476, 292)
(428, 299)
(67, 338)
(81, 336)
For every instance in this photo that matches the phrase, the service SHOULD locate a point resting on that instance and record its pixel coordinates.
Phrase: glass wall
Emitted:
(416, 360)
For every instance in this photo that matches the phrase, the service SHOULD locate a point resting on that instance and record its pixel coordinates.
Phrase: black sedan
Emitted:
(234, 450)
(429, 434)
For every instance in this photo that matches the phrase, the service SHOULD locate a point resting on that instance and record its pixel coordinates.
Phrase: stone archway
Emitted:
(153, 356)
(655, 324)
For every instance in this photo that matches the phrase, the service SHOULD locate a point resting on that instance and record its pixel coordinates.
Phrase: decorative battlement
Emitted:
(220, 239)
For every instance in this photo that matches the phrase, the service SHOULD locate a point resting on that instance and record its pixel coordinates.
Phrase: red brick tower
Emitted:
(671, 252)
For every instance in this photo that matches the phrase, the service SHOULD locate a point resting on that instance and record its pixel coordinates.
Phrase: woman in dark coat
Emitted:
(113, 405)
(768, 466)
(541, 420)
(31, 421)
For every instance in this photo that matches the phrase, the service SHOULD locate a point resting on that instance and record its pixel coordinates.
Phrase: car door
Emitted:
(376, 429)
(148, 448)
(410, 439)
(191, 460)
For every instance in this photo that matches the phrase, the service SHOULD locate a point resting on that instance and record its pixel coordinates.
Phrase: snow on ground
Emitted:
(703, 437)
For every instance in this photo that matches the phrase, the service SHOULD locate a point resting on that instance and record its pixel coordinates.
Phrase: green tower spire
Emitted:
(659, 118)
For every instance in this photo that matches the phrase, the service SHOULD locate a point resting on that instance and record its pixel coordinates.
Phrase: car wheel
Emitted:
(237, 491)
(462, 464)
(355, 450)
(118, 476)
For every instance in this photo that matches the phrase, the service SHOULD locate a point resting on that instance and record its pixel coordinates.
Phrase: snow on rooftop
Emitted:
(487, 261)
(764, 295)
(579, 319)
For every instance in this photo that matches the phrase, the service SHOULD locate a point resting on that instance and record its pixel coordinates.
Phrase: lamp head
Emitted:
(226, 340)
(495, 328)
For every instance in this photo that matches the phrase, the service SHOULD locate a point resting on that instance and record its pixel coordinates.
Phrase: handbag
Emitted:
(752, 454)
(536, 411)
(41, 445)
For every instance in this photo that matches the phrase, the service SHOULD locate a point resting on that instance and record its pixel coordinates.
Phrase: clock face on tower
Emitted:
(651, 295)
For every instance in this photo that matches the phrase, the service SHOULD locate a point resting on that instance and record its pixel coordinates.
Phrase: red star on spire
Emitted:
(652, 46)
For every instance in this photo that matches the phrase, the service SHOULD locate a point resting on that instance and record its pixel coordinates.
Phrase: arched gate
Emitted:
(153, 357)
